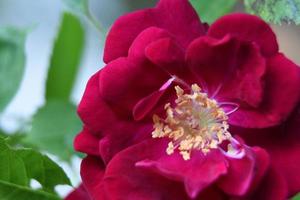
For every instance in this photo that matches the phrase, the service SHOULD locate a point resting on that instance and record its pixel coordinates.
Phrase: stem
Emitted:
(96, 24)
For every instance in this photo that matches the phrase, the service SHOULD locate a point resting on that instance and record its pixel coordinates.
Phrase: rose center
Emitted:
(195, 122)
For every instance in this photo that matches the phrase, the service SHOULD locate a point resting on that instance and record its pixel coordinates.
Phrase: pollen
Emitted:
(194, 122)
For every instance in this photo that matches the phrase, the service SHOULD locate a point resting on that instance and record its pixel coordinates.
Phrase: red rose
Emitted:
(186, 111)
(78, 194)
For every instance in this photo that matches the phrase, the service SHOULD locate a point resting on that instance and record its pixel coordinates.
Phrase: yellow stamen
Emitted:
(195, 123)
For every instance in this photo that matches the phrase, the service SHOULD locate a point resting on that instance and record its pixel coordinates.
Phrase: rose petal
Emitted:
(125, 29)
(282, 144)
(124, 179)
(246, 27)
(92, 172)
(87, 142)
(197, 173)
(229, 70)
(286, 158)
(282, 93)
(179, 18)
(167, 54)
(244, 174)
(146, 37)
(93, 111)
(212, 60)
(146, 104)
(246, 85)
(165, 51)
(121, 135)
(78, 194)
(213, 193)
(272, 188)
(124, 82)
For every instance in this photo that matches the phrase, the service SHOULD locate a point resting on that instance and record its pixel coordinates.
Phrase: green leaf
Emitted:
(209, 11)
(275, 11)
(297, 197)
(12, 61)
(10, 191)
(12, 166)
(54, 127)
(19, 166)
(42, 169)
(13, 139)
(65, 58)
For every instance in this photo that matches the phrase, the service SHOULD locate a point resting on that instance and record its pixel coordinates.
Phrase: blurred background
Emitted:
(42, 18)
(28, 110)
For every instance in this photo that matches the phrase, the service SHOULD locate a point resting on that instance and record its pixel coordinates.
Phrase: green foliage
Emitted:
(19, 166)
(42, 169)
(275, 11)
(10, 191)
(13, 139)
(297, 197)
(55, 124)
(209, 11)
(65, 58)
(54, 127)
(12, 61)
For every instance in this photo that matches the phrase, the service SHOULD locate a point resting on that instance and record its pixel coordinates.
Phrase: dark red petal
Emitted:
(273, 187)
(282, 92)
(160, 47)
(146, 37)
(246, 84)
(244, 174)
(125, 29)
(229, 70)
(246, 27)
(285, 150)
(177, 17)
(165, 51)
(212, 60)
(93, 111)
(124, 179)
(283, 145)
(212, 193)
(92, 172)
(262, 159)
(124, 82)
(197, 173)
(167, 54)
(282, 86)
(78, 194)
(87, 142)
(122, 135)
(146, 104)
